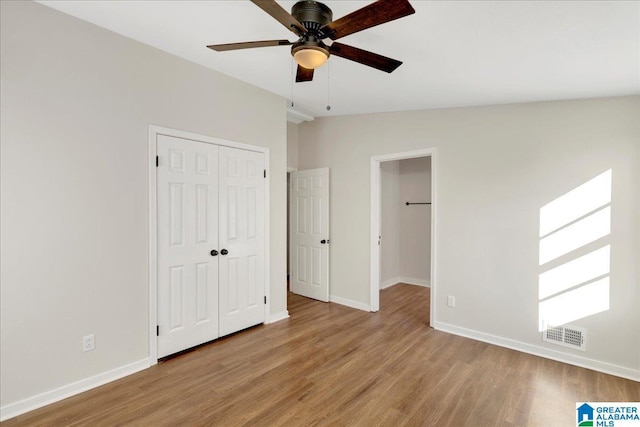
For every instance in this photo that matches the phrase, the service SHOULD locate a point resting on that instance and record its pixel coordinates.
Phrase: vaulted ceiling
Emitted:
(455, 53)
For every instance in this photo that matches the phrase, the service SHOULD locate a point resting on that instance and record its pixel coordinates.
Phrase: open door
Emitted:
(309, 233)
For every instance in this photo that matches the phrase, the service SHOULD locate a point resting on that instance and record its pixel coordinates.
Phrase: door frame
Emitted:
(374, 300)
(154, 131)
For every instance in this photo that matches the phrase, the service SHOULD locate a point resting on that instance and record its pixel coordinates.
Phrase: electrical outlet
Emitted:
(89, 342)
(451, 301)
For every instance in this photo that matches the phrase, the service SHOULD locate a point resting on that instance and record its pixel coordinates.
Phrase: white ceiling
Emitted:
(455, 53)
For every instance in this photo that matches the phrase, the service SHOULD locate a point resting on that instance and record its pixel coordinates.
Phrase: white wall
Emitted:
(76, 104)
(495, 167)
(415, 220)
(292, 164)
(389, 223)
(292, 146)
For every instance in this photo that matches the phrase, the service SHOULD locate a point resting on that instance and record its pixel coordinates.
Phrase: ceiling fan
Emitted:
(313, 22)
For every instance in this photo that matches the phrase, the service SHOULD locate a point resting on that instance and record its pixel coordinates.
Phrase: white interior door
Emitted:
(187, 206)
(242, 282)
(309, 233)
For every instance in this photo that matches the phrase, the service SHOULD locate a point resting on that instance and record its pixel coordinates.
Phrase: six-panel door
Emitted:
(309, 233)
(187, 195)
(242, 236)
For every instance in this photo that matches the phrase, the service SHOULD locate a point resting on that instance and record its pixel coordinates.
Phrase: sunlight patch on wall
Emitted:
(579, 287)
(574, 273)
(576, 203)
(576, 235)
(578, 303)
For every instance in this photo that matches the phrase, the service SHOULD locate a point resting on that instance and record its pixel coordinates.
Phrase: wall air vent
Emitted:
(566, 336)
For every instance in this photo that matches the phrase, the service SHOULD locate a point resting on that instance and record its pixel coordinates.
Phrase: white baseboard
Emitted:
(389, 282)
(414, 281)
(407, 280)
(14, 409)
(349, 303)
(277, 317)
(583, 362)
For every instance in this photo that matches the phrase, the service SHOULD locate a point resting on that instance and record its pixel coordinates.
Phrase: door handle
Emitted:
(323, 241)
(224, 252)
(214, 252)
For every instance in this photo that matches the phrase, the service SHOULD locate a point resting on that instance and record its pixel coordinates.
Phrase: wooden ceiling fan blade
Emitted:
(303, 75)
(248, 45)
(369, 16)
(281, 15)
(364, 57)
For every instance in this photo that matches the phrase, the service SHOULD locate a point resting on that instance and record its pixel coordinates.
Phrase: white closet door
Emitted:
(309, 233)
(242, 281)
(187, 197)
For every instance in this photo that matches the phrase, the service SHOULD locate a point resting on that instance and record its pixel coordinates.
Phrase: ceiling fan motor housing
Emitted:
(312, 15)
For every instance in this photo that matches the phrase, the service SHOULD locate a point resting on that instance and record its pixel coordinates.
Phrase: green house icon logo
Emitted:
(585, 415)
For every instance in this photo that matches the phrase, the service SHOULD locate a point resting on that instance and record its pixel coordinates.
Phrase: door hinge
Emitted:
(265, 299)
(265, 173)
(157, 161)
(157, 330)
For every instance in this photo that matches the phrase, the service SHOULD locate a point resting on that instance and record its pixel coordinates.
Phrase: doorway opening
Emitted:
(416, 263)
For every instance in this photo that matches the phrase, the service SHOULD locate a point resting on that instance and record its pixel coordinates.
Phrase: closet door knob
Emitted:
(214, 252)
(224, 252)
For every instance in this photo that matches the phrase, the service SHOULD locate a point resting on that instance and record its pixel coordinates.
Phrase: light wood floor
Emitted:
(332, 365)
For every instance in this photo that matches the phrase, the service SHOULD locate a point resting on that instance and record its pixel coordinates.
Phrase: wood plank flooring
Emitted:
(329, 365)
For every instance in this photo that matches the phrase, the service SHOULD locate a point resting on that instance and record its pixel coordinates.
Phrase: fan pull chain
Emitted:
(328, 91)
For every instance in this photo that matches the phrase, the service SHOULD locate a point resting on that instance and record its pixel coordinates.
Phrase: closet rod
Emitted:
(417, 203)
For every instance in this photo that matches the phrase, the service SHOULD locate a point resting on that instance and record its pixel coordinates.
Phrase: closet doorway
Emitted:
(402, 222)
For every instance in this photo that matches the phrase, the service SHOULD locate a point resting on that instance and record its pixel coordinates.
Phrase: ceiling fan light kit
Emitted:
(312, 22)
(310, 54)
(310, 57)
